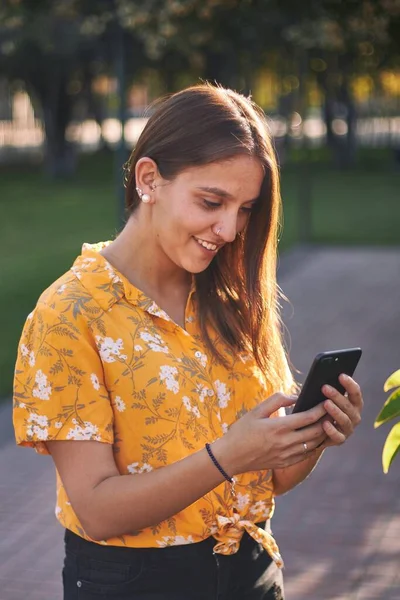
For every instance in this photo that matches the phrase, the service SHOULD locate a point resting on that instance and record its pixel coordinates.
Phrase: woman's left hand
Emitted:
(344, 411)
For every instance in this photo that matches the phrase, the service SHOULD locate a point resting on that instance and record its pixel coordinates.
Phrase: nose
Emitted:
(229, 227)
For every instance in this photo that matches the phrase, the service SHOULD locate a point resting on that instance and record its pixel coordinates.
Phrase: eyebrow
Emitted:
(222, 193)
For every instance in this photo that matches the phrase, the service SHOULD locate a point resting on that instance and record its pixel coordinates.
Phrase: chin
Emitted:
(193, 267)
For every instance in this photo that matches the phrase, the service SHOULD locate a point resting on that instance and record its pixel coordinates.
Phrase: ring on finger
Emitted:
(305, 447)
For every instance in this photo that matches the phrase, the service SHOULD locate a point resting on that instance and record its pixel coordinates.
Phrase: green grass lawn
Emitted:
(43, 224)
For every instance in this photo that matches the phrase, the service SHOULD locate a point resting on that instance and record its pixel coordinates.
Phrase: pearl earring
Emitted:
(144, 197)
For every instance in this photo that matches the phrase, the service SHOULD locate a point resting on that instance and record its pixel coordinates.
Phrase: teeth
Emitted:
(206, 244)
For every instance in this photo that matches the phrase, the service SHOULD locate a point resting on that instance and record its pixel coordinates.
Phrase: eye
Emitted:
(247, 209)
(211, 205)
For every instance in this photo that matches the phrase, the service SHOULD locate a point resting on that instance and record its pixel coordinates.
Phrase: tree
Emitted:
(229, 40)
(56, 49)
(345, 38)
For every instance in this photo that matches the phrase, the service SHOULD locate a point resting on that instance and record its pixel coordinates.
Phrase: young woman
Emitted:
(152, 370)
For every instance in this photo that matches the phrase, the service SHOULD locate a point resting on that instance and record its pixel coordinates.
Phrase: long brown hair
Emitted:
(238, 293)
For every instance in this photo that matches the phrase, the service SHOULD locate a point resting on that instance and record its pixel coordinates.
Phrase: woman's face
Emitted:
(188, 211)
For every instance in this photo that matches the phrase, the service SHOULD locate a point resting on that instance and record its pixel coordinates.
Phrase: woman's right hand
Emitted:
(257, 442)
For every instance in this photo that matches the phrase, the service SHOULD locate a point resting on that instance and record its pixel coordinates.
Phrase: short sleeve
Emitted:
(256, 386)
(59, 391)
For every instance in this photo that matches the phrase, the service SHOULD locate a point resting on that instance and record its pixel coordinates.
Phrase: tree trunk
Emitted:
(350, 142)
(328, 112)
(60, 155)
(327, 81)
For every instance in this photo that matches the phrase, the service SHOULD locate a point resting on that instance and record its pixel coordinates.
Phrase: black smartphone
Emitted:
(326, 368)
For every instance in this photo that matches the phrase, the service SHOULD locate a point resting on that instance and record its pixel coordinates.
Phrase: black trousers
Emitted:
(190, 572)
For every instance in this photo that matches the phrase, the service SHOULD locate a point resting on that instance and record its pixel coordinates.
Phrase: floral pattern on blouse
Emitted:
(99, 360)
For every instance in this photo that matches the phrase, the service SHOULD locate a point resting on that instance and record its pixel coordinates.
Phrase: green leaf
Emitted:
(392, 381)
(391, 447)
(390, 409)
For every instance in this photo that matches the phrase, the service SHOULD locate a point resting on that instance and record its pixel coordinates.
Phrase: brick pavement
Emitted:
(340, 530)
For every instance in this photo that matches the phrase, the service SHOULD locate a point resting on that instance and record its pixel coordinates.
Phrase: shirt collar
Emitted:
(107, 285)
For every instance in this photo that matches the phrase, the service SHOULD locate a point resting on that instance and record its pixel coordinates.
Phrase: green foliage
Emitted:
(390, 410)
(391, 447)
(44, 41)
(57, 48)
(226, 38)
(237, 36)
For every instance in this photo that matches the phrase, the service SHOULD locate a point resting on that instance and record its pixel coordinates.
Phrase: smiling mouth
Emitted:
(207, 245)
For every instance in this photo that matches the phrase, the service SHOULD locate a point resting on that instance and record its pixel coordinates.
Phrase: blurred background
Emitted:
(76, 81)
(76, 77)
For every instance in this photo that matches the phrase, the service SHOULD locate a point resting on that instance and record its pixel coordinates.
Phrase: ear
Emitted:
(146, 172)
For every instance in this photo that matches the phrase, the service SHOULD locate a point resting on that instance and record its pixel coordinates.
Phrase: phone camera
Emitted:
(327, 360)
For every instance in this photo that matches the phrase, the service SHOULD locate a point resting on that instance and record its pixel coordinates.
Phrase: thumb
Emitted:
(273, 403)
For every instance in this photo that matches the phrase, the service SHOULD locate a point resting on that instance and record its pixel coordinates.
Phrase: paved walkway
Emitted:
(339, 532)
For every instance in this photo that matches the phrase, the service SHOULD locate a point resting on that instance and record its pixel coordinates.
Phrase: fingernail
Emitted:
(328, 389)
(345, 377)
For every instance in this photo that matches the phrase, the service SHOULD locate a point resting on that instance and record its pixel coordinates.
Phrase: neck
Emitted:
(140, 259)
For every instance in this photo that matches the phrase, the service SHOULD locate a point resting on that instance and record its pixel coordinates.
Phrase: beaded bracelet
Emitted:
(221, 470)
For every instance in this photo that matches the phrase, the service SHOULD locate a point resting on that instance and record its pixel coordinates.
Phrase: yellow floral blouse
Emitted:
(98, 360)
